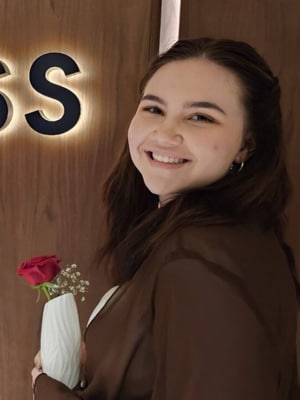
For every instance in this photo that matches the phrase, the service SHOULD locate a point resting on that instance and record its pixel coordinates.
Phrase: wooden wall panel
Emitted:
(272, 27)
(50, 185)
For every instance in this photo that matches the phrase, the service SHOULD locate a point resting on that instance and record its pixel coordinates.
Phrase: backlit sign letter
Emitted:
(39, 81)
(5, 104)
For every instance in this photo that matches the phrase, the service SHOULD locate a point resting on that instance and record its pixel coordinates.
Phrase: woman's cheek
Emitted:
(137, 133)
(133, 144)
(134, 127)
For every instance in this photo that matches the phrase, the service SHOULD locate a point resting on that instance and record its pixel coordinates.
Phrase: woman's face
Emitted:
(188, 128)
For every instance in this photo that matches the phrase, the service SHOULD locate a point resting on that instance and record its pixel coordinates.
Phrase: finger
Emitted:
(37, 360)
(83, 353)
(34, 374)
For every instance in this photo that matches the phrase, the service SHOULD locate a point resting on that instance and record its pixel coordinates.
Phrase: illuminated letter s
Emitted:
(5, 104)
(68, 99)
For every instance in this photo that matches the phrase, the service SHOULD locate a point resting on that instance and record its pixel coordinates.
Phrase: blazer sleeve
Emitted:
(209, 342)
(46, 388)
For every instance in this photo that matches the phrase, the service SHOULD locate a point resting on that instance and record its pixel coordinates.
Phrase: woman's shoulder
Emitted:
(246, 259)
(244, 252)
(218, 243)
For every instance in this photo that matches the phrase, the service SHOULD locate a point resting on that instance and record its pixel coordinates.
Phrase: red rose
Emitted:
(39, 270)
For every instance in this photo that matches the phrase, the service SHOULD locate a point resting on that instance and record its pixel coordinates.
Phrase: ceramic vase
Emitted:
(61, 340)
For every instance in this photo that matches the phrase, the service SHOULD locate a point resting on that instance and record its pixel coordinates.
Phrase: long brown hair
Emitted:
(258, 194)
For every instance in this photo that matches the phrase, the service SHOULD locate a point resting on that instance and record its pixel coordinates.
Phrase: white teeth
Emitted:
(168, 160)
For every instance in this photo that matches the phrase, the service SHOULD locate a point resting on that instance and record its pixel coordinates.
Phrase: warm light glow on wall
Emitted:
(23, 98)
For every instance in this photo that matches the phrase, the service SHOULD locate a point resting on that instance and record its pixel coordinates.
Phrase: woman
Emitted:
(206, 303)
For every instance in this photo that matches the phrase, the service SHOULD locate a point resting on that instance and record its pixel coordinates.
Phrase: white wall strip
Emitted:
(169, 24)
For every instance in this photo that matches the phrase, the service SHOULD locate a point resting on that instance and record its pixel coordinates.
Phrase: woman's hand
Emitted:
(37, 370)
(82, 365)
(83, 355)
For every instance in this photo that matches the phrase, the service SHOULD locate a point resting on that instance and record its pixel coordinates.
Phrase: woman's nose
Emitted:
(168, 134)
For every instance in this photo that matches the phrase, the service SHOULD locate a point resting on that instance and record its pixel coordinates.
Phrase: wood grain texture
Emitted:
(272, 27)
(51, 186)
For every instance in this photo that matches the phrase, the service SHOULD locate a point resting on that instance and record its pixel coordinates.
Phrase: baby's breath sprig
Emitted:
(68, 281)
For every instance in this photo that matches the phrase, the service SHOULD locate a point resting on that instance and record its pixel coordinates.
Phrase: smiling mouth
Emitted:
(166, 159)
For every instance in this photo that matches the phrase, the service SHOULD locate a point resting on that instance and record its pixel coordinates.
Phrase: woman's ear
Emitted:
(246, 151)
(241, 156)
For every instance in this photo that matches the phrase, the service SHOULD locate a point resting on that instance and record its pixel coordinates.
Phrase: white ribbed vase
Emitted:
(61, 340)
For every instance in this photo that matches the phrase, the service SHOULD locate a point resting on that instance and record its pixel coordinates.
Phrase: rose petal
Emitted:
(40, 269)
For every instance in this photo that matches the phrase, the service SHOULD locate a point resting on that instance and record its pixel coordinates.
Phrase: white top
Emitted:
(104, 299)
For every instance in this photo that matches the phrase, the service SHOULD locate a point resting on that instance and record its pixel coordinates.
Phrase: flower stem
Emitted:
(45, 290)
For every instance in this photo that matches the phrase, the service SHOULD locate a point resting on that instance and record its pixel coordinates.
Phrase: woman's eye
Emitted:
(201, 118)
(153, 110)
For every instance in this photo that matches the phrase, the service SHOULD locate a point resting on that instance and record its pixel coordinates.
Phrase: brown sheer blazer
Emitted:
(210, 315)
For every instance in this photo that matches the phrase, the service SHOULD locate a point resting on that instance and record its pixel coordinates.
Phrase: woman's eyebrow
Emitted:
(194, 104)
(204, 104)
(152, 97)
